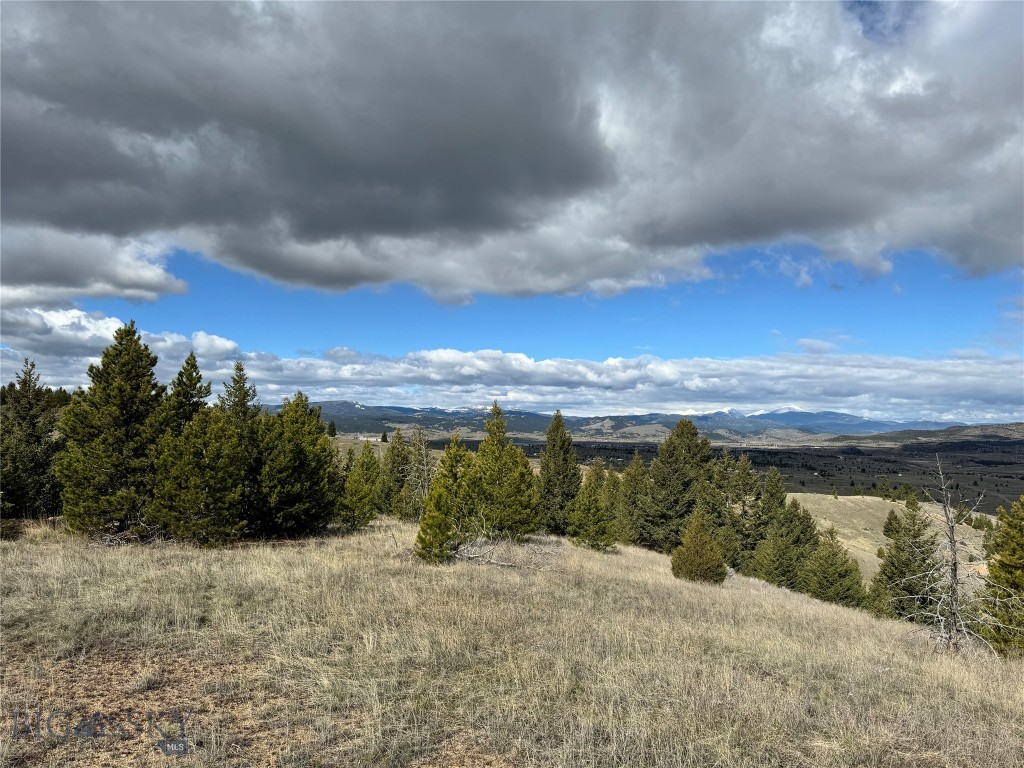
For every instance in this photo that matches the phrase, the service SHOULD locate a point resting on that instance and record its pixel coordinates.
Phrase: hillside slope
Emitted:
(349, 652)
(859, 520)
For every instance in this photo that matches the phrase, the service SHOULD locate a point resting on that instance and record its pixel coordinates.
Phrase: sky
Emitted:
(603, 208)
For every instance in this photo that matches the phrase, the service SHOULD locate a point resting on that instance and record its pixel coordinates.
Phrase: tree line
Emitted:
(131, 458)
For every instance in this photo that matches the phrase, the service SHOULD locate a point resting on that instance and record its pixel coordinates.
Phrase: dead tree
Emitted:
(962, 610)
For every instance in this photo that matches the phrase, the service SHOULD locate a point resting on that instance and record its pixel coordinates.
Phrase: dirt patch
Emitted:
(461, 751)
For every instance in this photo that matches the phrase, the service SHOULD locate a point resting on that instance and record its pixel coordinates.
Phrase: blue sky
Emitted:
(923, 305)
(598, 207)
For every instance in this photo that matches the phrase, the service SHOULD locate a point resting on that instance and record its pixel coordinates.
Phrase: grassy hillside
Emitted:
(859, 520)
(350, 652)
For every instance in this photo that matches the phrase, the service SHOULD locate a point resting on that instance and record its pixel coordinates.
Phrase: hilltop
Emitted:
(347, 651)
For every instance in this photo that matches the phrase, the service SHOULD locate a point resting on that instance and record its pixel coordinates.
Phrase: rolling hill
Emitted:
(787, 426)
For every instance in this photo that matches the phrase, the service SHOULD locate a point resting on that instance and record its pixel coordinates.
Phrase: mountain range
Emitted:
(784, 425)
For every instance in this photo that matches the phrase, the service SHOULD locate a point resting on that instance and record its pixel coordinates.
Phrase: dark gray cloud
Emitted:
(506, 148)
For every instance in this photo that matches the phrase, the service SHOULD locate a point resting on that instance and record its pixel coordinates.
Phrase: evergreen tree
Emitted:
(394, 472)
(106, 469)
(1005, 593)
(28, 447)
(186, 398)
(729, 543)
(239, 399)
(679, 466)
(362, 489)
(591, 523)
(384, 436)
(698, 558)
(332, 429)
(438, 539)
(792, 539)
(631, 499)
(199, 478)
(299, 476)
(559, 477)
(611, 493)
(720, 473)
(830, 574)
(892, 525)
(710, 500)
(772, 501)
(771, 559)
(743, 484)
(502, 483)
(757, 518)
(447, 514)
(240, 403)
(909, 572)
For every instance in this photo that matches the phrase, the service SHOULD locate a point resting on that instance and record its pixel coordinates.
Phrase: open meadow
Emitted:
(348, 651)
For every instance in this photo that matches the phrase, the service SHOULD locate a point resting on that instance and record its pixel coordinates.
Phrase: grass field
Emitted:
(347, 651)
(859, 520)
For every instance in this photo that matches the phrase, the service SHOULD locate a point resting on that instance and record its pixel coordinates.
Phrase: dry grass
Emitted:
(859, 520)
(349, 652)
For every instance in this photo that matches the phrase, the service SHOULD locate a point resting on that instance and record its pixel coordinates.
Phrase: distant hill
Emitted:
(787, 426)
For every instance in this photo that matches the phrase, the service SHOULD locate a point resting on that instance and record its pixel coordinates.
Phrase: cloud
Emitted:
(45, 267)
(508, 149)
(969, 385)
(816, 346)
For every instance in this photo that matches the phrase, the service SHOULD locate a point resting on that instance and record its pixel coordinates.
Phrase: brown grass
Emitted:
(349, 652)
(859, 520)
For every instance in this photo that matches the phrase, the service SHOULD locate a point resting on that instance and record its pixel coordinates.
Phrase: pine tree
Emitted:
(1005, 593)
(830, 574)
(299, 476)
(239, 399)
(199, 480)
(394, 472)
(559, 477)
(909, 572)
(502, 484)
(771, 559)
(631, 498)
(698, 558)
(28, 448)
(332, 429)
(240, 403)
(682, 461)
(186, 398)
(729, 543)
(590, 522)
(362, 489)
(756, 521)
(792, 539)
(713, 504)
(611, 493)
(447, 514)
(772, 501)
(106, 469)
(743, 483)
(892, 525)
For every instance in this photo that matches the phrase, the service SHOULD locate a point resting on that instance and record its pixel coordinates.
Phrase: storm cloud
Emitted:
(507, 149)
